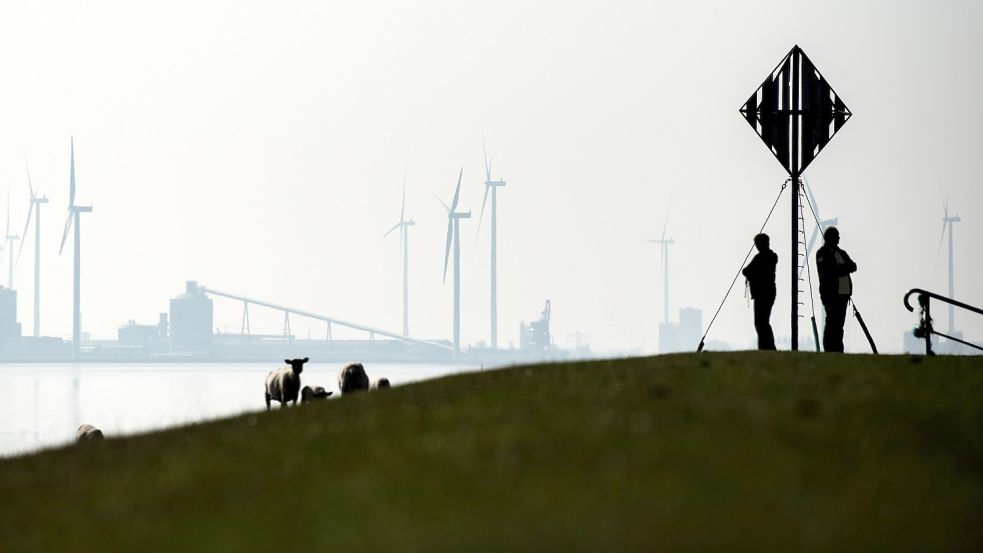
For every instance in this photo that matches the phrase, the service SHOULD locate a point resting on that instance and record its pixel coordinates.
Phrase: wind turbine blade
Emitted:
(447, 248)
(442, 203)
(457, 191)
(482, 216)
(487, 165)
(64, 236)
(29, 183)
(23, 235)
(938, 252)
(71, 178)
(396, 226)
(811, 197)
(812, 240)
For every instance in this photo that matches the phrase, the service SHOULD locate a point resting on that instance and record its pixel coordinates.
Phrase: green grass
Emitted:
(746, 451)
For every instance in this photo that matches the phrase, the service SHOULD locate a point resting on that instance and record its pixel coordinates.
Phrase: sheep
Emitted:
(380, 383)
(353, 379)
(307, 394)
(283, 384)
(88, 433)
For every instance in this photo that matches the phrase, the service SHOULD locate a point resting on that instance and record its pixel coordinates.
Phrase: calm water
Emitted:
(43, 405)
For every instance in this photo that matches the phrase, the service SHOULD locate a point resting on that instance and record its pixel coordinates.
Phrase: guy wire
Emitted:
(731, 287)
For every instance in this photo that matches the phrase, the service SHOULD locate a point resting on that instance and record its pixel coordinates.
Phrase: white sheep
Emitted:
(380, 383)
(308, 394)
(88, 433)
(283, 384)
(353, 379)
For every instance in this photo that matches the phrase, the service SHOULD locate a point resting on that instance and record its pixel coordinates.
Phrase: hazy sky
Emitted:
(259, 147)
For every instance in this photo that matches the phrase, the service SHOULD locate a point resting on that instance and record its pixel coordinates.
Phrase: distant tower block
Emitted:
(690, 326)
(9, 327)
(191, 321)
(680, 337)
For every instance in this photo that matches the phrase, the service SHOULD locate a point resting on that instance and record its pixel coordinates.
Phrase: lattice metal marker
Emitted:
(796, 113)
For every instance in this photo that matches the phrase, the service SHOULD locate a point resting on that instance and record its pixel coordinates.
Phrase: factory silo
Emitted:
(9, 327)
(191, 321)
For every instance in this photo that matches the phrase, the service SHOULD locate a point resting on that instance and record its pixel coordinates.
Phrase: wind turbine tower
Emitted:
(404, 237)
(35, 205)
(10, 246)
(454, 235)
(492, 185)
(947, 223)
(74, 211)
(665, 243)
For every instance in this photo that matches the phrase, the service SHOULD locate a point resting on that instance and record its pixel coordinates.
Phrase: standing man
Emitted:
(835, 287)
(760, 274)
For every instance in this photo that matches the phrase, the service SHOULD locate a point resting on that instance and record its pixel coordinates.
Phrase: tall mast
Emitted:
(406, 285)
(494, 269)
(796, 172)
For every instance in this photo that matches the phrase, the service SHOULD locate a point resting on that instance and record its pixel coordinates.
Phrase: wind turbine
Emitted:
(35, 205)
(492, 185)
(824, 223)
(665, 243)
(73, 219)
(454, 235)
(404, 238)
(947, 223)
(10, 246)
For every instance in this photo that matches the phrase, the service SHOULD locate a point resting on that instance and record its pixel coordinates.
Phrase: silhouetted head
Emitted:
(762, 242)
(831, 236)
(297, 364)
(380, 383)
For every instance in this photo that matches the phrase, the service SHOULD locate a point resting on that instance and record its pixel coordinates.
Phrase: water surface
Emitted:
(43, 404)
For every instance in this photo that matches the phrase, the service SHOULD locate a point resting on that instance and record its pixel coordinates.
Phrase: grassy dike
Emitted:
(748, 451)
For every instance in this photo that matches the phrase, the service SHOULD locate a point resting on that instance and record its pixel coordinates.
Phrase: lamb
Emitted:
(380, 383)
(307, 394)
(88, 433)
(353, 379)
(283, 384)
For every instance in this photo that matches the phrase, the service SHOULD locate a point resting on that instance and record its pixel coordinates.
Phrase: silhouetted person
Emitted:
(760, 274)
(835, 287)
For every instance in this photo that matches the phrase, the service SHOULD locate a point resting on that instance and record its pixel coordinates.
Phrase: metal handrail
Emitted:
(925, 328)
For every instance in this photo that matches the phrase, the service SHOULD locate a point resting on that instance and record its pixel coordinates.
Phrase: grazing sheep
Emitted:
(380, 383)
(353, 379)
(307, 394)
(88, 433)
(283, 384)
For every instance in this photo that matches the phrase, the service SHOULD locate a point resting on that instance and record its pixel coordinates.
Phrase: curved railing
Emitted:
(925, 330)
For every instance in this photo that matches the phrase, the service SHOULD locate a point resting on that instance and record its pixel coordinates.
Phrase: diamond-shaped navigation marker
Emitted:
(795, 112)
